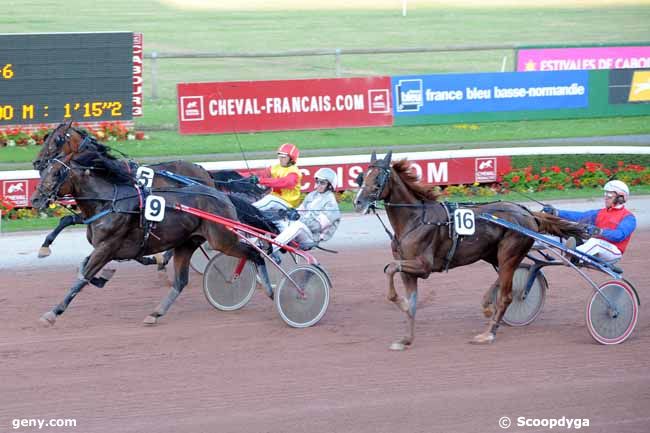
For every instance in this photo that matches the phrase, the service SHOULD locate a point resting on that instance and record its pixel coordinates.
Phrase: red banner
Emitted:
(244, 106)
(453, 171)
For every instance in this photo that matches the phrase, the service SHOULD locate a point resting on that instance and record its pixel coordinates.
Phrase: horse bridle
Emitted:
(380, 183)
(62, 176)
(59, 141)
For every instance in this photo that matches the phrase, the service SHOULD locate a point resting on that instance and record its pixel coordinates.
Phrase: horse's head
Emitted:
(63, 140)
(373, 183)
(54, 183)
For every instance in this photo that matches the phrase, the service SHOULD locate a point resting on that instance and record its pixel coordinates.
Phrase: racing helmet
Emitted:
(290, 150)
(327, 174)
(619, 187)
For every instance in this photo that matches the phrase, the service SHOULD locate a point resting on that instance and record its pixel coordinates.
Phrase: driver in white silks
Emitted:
(319, 214)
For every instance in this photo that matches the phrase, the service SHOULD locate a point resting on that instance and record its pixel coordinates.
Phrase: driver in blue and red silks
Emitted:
(610, 228)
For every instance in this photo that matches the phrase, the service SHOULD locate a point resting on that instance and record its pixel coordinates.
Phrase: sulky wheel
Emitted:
(229, 282)
(525, 307)
(201, 257)
(612, 312)
(304, 305)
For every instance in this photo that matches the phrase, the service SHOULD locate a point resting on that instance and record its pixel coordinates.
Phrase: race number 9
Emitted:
(464, 221)
(154, 208)
(145, 176)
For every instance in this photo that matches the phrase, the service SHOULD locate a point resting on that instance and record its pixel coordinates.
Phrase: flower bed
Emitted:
(590, 175)
(109, 131)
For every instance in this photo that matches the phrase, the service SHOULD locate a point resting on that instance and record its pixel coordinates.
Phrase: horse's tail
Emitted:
(252, 216)
(556, 226)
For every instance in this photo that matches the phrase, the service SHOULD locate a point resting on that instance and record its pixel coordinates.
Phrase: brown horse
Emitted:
(108, 194)
(423, 241)
(67, 140)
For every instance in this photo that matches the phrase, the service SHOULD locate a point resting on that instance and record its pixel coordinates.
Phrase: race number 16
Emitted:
(464, 221)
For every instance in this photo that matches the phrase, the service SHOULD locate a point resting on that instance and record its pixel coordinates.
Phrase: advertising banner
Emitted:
(564, 59)
(19, 191)
(452, 171)
(244, 106)
(416, 95)
(628, 86)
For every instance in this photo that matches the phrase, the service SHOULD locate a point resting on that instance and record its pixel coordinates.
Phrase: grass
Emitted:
(164, 145)
(182, 29)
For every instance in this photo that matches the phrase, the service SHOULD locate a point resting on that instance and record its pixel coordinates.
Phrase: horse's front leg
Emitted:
(64, 222)
(89, 267)
(408, 270)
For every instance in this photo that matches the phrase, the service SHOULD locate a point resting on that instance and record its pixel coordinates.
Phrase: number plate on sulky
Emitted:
(154, 208)
(464, 221)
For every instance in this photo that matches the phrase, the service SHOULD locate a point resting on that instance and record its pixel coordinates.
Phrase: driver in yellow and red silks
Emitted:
(284, 179)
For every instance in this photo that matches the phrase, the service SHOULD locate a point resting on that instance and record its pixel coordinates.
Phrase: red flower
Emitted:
(560, 187)
(556, 169)
(567, 170)
(515, 179)
(536, 177)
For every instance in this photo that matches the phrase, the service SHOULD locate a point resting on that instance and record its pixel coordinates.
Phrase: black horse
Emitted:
(66, 139)
(108, 193)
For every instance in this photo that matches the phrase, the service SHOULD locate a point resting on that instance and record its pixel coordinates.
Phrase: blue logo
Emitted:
(409, 95)
(490, 92)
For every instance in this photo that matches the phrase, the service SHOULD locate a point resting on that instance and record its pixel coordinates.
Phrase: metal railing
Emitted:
(336, 52)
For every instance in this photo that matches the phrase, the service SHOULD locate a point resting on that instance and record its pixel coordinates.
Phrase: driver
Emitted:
(610, 228)
(319, 214)
(284, 179)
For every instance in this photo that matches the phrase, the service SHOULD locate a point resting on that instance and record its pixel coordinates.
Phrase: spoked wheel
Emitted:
(612, 323)
(306, 304)
(201, 257)
(229, 282)
(525, 307)
(289, 261)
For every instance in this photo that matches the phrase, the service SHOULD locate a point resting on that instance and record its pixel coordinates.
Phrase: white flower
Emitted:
(31, 142)
(11, 143)
(130, 136)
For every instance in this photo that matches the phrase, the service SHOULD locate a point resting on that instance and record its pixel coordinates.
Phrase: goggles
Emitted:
(322, 181)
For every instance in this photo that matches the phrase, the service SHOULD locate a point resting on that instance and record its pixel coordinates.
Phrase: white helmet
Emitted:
(619, 187)
(328, 174)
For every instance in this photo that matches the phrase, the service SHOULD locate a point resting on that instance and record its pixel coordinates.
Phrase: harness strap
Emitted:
(453, 235)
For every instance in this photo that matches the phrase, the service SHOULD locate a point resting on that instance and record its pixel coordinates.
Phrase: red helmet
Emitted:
(290, 150)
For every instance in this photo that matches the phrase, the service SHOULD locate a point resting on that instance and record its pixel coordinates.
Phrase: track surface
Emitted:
(201, 370)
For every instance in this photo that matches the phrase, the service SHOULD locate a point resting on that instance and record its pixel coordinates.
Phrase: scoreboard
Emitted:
(49, 78)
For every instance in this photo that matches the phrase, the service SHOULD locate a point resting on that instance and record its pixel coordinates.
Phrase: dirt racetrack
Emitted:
(202, 371)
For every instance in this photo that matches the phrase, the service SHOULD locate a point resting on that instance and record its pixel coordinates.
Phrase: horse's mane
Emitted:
(107, 166)
(410, 179)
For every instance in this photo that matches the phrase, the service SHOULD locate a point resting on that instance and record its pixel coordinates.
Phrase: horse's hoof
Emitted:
(397, 346)
(160, 261)
(107, 274)
(150, 320)
(483, 339)
(48, 319)
(44, 252)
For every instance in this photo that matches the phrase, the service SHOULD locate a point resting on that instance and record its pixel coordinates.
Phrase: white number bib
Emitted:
(154, 208)
(145, 176)
(464, 221)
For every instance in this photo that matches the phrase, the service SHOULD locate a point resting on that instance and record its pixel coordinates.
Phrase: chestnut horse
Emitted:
(423, 240)
(108, 193)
